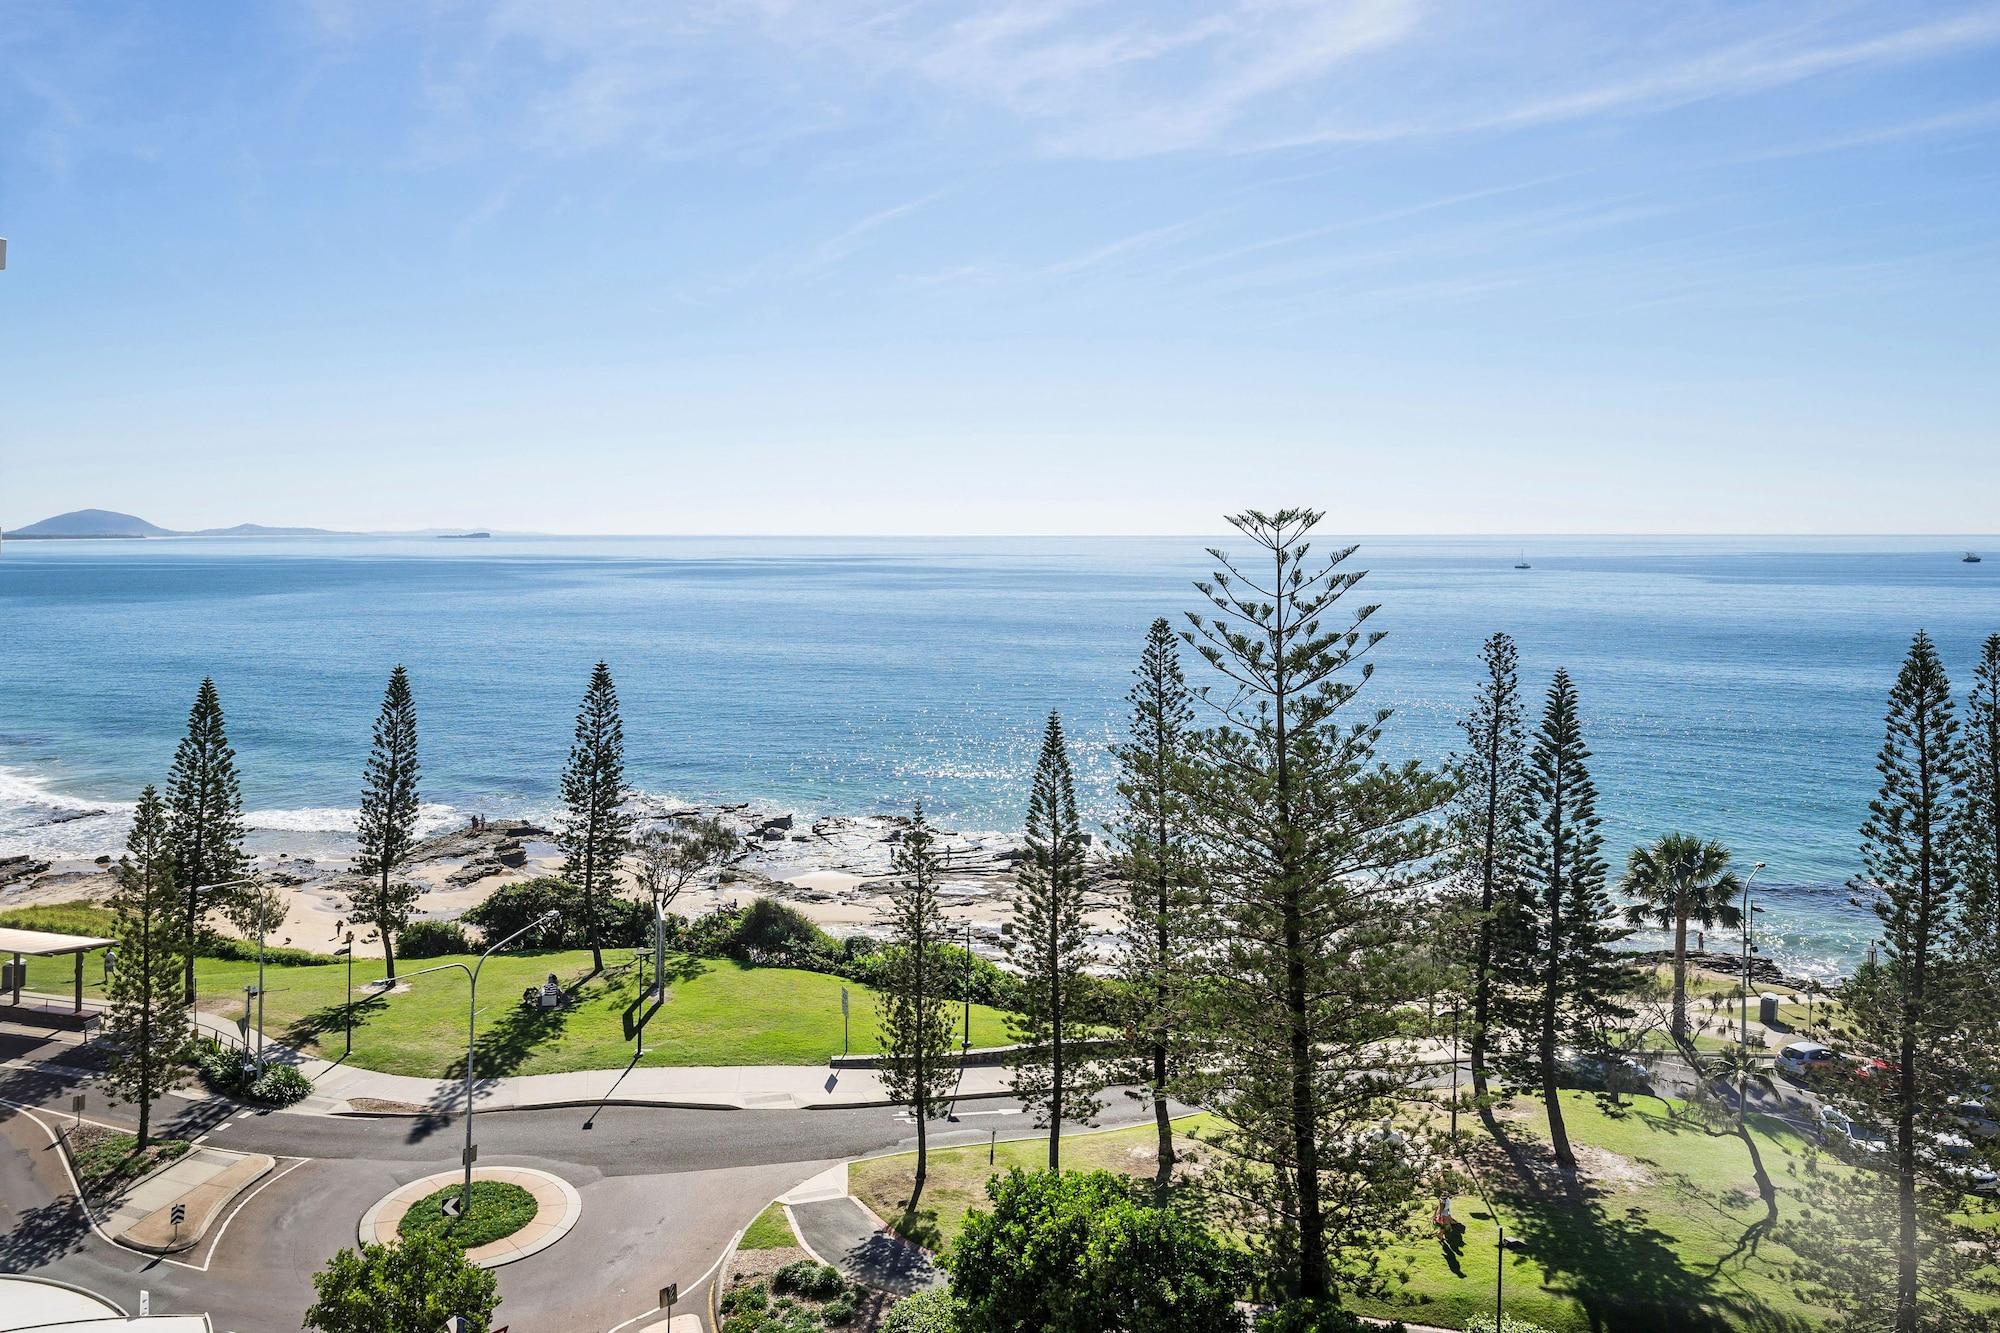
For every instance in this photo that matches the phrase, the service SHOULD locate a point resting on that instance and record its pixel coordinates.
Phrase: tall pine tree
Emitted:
(1487, 820)
(1909, 1008)
(204, 814)
(387, 826)
(1977, 836)
(1313, 852)
(1160, 903)
(913, 998)
(596, 829)
(1563, 978)
(1049, 946)
(147, 1030)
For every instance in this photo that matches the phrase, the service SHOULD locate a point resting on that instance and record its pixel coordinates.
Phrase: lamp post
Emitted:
(547, 918)
(1743, 1055)
(1454, 1071)
(195, 1014)
(347, 951)
(968, 991)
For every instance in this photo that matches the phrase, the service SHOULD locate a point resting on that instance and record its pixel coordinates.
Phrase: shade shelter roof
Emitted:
(46, 943)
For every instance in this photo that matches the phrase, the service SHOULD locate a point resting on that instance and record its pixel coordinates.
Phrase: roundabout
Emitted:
(516, 1212)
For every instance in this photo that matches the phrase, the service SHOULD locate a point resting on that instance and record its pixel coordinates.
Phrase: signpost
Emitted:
(179, 1216)
(668, 1295)
(76, 1109)
(843, 1020)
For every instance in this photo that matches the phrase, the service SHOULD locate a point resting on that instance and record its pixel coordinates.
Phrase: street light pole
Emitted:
(1454, 1071)
(471, 1017)
(1743, 1055)
(347, 949)
(194, 1014)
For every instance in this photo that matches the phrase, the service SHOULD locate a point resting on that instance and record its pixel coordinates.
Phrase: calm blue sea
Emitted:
(1731, 687)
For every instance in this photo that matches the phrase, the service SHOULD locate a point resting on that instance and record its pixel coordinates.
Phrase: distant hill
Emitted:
(91, 523)
(107, 523)
(260, 530)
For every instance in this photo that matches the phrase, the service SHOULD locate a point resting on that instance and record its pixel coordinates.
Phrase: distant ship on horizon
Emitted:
(1970, 557)
(1522, 563)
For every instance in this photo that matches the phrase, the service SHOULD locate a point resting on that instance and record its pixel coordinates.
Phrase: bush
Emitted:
(233, 1072)
(1508, 1324)
(624, 922)
(1317, 1317)
(1081, 1251)
(422, 1283)
(838, 1311)
(753, 1297)
(933, 1311)
(280, 1085)
(821, 1282)
(432, 939)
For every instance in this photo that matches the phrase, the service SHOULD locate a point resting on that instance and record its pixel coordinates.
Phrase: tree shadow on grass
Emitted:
(330, 1022)
(515, 1035)
(1621, 1270)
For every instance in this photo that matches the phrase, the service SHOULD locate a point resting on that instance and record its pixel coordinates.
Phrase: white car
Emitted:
(1837, 1130)
(1954, 1156)
(1976, 1115)
(1804, 1059)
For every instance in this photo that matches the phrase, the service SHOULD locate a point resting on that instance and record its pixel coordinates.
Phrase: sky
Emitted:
(1027, 266)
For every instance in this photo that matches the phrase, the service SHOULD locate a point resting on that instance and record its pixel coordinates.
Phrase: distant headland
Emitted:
(110, 525)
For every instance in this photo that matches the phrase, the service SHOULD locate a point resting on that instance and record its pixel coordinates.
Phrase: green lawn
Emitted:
(956, 1180)
(771, 1231)
(718, 1012)
(1654, 1251)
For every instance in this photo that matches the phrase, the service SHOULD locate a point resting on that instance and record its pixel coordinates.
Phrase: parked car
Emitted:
(1603, 1073)
(1837, 1130)
(1807, 1060)
(1955, 1157)
(1976, 1114)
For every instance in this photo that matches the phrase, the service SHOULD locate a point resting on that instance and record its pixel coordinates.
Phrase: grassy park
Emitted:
(1654, 1245)
(718, 1012)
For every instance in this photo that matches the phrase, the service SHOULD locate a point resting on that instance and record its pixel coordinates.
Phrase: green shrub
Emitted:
(821, 1282)
(1307, 1316)
(1081, 1251)
(625, 922)
(932, 1311)
(1508, 1324)
(753, 1297)
(432, 939)
(838, 1312)
(499, 1209)
(245, 951)
(280, 1085)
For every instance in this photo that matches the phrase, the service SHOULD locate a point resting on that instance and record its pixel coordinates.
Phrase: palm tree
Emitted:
(1677, 879)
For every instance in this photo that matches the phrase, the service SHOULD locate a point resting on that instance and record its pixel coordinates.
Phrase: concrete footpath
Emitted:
(341, 1089)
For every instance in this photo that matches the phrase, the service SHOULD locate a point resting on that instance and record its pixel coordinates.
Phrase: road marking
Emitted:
(215, 1241)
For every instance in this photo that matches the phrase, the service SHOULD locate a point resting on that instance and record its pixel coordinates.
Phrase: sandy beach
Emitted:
(835, 870)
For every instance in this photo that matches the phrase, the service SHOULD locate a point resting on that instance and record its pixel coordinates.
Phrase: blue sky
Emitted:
(1026, 266)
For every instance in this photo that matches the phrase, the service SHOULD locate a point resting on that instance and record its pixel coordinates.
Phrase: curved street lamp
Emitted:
(471, 1014)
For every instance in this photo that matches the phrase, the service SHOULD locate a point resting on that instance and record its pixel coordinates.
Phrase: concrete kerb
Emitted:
(379, 1224)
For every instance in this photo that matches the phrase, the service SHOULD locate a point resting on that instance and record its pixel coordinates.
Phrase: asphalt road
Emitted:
(663, 1193)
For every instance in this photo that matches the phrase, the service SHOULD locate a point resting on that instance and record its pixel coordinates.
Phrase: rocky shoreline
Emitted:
(835, 869)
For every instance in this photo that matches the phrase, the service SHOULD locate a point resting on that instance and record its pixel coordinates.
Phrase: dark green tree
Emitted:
(204, 814)
(1083, 1252)
(1050, 947)
(596, 829)
(418, 1285)
(1487, 819)
(387, 827)
(1908, 1010)
(913, 987)
(1160, 902)
(147, 1032)
(1563, 977)
(1313, 852)
(1977, 837)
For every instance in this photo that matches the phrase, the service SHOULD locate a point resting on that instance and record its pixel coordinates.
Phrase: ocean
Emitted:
(1731, 687)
